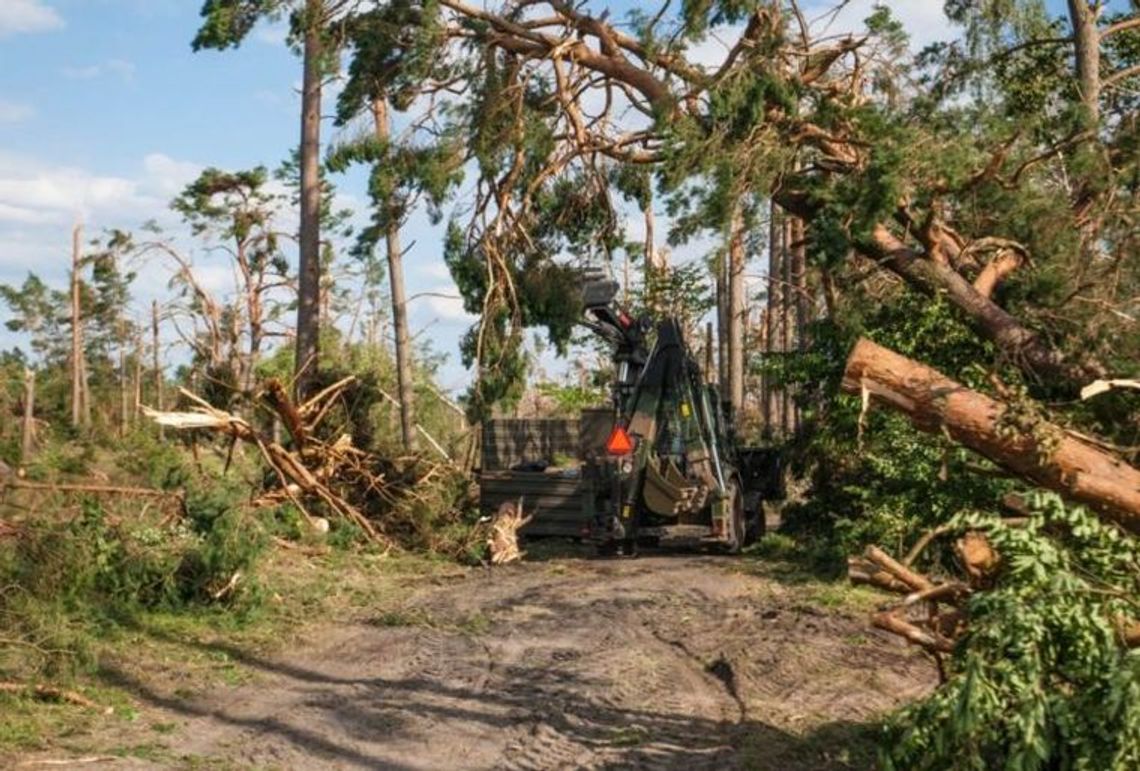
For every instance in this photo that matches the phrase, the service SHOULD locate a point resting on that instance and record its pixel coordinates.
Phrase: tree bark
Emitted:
(989, 319)
(787, 339)
(736, 311)
(80, 410)
(1086, 46)
(722, 325)
(404, 373)
(936, 404)
(124, 397)
(773, 335)
(156, 362)
(309, 283)
(799, 282)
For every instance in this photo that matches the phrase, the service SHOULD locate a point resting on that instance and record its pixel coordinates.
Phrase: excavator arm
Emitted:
(679, 472)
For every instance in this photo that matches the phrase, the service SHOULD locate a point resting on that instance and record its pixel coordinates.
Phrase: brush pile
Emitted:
(318, 474)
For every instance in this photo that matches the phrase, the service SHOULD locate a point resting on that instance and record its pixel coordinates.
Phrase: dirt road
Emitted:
(667, 661)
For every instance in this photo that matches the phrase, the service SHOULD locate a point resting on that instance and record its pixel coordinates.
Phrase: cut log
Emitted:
(932, 641)
(916, 581)
(863, 571)
(935, 404)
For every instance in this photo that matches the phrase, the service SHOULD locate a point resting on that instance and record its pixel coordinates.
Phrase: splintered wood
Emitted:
(503, 542)
(311, 469)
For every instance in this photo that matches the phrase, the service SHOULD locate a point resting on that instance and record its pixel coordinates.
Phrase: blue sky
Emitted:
(105, 113)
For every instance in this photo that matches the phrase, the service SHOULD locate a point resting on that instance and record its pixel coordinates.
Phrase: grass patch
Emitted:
(183, 652)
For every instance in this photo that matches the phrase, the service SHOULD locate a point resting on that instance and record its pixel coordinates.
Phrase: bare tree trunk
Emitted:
(76, 339)
(775, 301)
(936, 404)
(798, 271)
(309, 283)
(136, 386)
(765, 380)
(787, 343)
(736, 259)
(156, 362)
(28, 426)
(1086, 45)
(124, 398)
(722, 324)
(799, 283)
(708, 354)
(404, 374)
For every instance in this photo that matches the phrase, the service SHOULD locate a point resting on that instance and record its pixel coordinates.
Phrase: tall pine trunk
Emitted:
(156, 361)
(1086, 45)
(773, 334)
(736, 311)
(786, 327)
(722, 325)
(404, 375)
(309, 284)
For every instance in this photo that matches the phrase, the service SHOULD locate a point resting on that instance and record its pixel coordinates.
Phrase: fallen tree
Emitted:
(1040, 451)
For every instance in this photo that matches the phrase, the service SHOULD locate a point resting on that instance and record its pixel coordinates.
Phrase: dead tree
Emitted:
(404, 370)
(80, 404)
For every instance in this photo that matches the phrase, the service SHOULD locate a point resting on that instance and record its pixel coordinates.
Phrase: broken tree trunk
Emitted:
(935, 403)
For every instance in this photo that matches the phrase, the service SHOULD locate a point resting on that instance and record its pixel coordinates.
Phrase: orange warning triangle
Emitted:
(619, 442)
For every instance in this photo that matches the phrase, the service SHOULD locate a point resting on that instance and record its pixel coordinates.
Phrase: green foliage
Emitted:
(225, 23)
(84, 565)
(1042, 680)
(570, 400)
(874, 478)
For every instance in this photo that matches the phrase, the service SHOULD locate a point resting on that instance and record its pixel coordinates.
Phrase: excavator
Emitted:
(671, 469)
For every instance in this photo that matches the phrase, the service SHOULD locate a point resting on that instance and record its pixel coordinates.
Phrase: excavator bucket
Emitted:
(668, 493)
(659, 494)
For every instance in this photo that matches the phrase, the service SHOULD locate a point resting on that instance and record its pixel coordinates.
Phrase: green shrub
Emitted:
(64, 580)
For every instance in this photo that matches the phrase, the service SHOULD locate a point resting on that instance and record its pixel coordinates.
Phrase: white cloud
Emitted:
(20, 16)
(444, 304)
(119, 67)
(167, 175)
(275, 33)
(15, 112)
(24, 215)
(436, 270)
(923, 19)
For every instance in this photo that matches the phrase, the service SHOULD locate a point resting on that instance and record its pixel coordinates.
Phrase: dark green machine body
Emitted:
(685, 478)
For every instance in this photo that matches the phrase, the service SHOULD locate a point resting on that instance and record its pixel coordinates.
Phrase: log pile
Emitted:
(931, 613)
(334, 474)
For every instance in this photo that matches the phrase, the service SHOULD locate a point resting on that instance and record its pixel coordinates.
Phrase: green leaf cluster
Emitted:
(1042, 679)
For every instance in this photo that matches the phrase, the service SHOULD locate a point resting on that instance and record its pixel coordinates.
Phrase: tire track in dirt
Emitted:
(665, 662)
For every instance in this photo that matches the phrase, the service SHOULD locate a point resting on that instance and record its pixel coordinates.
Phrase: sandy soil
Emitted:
(662, 662)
